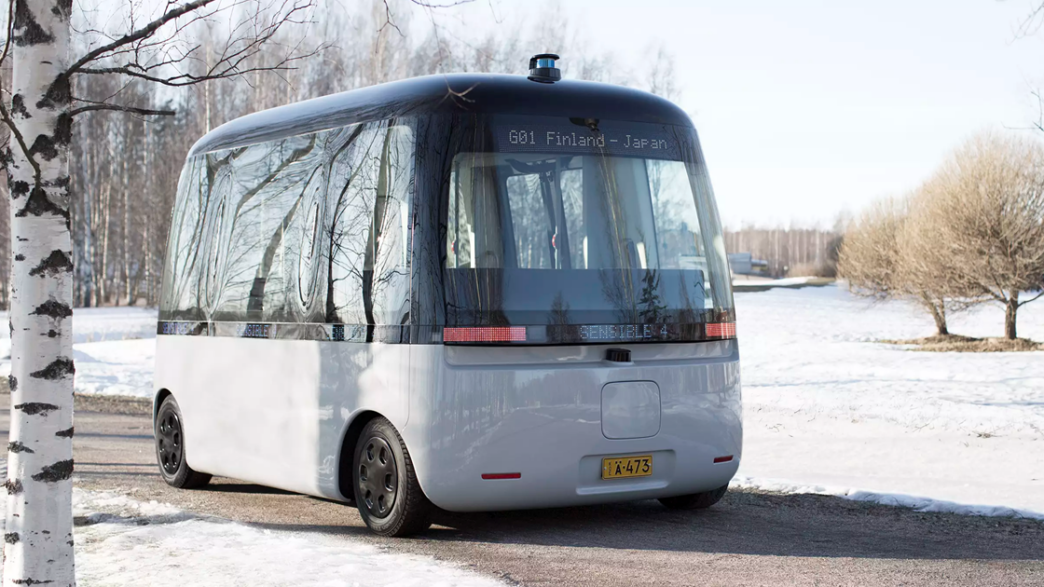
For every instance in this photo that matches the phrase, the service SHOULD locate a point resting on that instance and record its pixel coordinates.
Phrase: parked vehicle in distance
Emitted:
(471, 292)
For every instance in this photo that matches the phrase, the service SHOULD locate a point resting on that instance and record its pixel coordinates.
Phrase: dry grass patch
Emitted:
(967, 344)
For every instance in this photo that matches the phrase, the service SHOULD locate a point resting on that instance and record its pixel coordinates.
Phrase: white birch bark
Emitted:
(38, 544)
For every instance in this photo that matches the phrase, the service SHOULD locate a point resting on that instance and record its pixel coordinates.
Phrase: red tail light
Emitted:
(502, 475)
(721, 330)
(722, 459)
(485, 334)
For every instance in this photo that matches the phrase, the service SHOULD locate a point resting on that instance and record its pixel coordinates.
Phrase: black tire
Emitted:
(170, 448)
(389, 498)
(695, 501)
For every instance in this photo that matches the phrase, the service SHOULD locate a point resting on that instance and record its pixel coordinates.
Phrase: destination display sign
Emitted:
(587, 136)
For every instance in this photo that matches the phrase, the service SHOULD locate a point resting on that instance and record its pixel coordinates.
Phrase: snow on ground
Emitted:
(827, 410)
(127, 542)
(114, 350)
(921, 504)
(742, 281)
(117, 367)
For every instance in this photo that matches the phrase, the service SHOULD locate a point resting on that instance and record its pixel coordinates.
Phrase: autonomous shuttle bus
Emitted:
(467, 292)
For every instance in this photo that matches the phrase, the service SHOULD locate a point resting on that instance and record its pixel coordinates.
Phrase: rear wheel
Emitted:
(387, 493)
(695, 501)
(170, 448)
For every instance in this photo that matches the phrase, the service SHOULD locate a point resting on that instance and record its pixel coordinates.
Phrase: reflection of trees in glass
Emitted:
(195, 215)
(371, 179)
(713, 245)
(529, 219)
(618, 290)
(571, 184)
(651, 309)
(384, 265)
(265, 185)
(687, 313)
(612, 218)
(269, 292)
(607, 234)
(559, 316)
(674, 211)
(181, 285)
(347, 220)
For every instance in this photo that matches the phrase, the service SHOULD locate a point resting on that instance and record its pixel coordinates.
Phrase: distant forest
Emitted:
(789, 251)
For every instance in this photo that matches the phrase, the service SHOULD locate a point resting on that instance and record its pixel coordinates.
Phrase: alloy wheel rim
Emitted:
(378, 477)
(169, 439)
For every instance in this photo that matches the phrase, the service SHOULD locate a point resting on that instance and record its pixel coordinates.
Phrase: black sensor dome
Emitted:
(542, 68)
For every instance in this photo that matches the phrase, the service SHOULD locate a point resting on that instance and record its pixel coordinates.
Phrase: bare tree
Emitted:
(660, 78)
(876, 262)
(984, 212)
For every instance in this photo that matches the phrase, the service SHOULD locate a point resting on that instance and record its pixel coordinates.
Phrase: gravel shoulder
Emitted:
(751, 538)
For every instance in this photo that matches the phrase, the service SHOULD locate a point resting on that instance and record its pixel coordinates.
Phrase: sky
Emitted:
(811, 109)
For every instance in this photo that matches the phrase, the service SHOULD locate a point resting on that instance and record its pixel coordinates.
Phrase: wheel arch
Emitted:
(347, 451)
(161, 395)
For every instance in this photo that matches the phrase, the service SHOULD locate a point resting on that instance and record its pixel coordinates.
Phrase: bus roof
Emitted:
(453, 93)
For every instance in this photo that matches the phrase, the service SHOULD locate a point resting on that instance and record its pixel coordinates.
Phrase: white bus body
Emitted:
(386, 253)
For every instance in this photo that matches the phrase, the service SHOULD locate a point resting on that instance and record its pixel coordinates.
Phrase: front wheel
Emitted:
(695, 501)
(387, 493)
(170, 448)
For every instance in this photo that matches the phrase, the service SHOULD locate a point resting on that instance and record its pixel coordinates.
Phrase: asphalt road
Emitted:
(748, 539)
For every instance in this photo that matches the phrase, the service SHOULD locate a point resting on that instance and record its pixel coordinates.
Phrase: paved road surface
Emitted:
(748, 539)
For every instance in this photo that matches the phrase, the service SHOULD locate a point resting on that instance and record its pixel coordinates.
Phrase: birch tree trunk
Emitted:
(38, 544)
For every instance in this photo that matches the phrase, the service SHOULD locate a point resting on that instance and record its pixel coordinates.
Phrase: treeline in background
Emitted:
(788, 252)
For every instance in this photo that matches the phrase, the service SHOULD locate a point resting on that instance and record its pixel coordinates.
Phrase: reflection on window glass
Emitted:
(532, 222)
(268, 184)
(308, 228)
(185, 259)
(307, 264)
(571, 184)
(368, 198)
(677, 224)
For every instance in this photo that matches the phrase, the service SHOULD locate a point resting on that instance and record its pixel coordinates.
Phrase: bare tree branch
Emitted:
(137, 35)
(245, 41)
(120, 108)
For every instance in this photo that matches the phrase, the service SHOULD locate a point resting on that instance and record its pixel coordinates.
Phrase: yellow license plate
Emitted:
(620, 467)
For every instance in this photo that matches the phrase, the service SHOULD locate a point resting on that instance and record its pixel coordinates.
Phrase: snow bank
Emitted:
(114, 350)
(921, 504)
(127, 542)
(119, 367)
(825, 406)
(746, 283)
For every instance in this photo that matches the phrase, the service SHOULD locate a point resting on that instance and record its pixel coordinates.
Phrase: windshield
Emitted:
(582, 222)
(573, 212)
